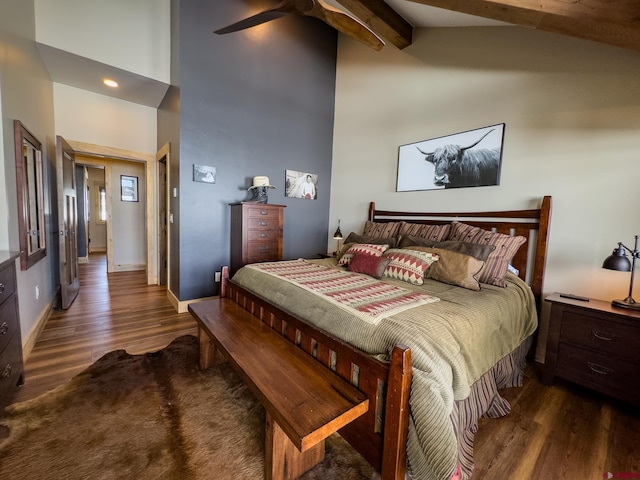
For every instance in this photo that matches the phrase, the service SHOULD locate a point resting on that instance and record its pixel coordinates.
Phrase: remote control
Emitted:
(574, 297)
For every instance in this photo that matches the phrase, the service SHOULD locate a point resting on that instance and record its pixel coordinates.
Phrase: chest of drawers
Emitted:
(256, 233)
(595, 345)
(11, 369)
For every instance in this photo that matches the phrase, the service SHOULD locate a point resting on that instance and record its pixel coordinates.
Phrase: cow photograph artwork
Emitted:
(467, 159)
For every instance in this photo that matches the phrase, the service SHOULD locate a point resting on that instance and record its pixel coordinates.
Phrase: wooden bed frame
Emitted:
(380, 435)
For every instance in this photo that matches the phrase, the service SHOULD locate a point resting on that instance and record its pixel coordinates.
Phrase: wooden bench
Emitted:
(304, 403)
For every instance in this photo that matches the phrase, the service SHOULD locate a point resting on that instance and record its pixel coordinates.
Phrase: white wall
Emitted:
(93, 118)
(572, 115)
(129, 34)
(129, 229)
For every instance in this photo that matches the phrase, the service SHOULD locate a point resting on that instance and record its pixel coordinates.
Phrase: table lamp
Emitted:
(618, 260)
(338, 236)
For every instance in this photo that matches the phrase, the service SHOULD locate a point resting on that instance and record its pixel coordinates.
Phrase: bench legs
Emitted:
(283, 460)
(207, 351)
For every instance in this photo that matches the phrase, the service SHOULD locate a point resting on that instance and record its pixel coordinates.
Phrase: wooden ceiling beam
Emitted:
(382, 19)
(615, 23)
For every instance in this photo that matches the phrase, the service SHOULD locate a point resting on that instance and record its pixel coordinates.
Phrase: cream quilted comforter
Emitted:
(453, 342)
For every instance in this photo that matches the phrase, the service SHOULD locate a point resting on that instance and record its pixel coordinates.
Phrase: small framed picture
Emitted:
(128, 188)
(204, 174)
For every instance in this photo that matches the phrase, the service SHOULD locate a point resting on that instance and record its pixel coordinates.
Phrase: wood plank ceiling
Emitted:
(614, 22)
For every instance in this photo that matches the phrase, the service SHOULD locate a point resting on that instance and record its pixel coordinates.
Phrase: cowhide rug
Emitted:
(153, 416)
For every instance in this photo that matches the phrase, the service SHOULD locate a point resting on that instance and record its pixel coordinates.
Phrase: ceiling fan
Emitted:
(313, 8)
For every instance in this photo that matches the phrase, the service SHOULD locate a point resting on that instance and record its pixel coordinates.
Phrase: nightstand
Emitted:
(595, 345)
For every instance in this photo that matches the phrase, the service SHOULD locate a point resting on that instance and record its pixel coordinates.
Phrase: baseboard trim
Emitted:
(32, 337)
(129, 267)
(182, 306)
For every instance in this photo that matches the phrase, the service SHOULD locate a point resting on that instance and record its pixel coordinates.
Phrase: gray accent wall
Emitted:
(256, 102)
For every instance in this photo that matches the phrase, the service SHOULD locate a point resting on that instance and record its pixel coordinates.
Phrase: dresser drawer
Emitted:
(9, 324)
(7, 284)
(263, 212)
(600, 334)
(264, 236)
(261, 249)
(263, 224)
(10, 371)
(602, 372)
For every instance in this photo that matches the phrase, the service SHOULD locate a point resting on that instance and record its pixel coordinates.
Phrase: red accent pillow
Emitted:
(368, 264)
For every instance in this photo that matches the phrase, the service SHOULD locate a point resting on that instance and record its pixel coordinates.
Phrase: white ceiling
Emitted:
(86, 74)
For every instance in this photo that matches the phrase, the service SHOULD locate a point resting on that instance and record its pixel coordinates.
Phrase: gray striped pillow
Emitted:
(495, 268)
(437, 233)
(381, 230)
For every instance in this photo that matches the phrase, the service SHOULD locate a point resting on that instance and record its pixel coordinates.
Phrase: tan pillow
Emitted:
(454, 268)
(498, 261)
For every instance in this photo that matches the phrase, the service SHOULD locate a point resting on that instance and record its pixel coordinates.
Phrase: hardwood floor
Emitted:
(112, 311)
(562, 432)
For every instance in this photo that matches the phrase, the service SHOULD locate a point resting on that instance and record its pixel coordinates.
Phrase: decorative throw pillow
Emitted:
(408, 241)
(455, 269)
(476, 250)
(408, 265)
(368, 264)
(437, 233)
(355, 238)
(381, 229)
(363, 248)
(506, 246)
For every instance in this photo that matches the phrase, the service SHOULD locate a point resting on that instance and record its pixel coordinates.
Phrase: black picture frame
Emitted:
(467, 159)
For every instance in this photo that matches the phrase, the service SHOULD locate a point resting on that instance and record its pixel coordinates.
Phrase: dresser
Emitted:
(256, 233)
(11, 369)
(595, 345)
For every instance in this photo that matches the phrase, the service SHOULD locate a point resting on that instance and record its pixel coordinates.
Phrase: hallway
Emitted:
(112, 311)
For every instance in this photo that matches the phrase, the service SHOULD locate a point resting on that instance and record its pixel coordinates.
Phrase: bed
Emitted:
(430, 371)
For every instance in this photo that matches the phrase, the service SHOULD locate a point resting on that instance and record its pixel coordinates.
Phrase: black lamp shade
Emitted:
(618, 260)
(338, 234)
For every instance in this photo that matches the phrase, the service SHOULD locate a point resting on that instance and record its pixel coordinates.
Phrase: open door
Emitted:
(67, 222)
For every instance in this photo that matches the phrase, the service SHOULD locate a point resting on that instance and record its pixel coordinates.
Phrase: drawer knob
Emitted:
(6, 373)
(263, 248)
(263, 235)
(264, 212)
(599, 369)
(4, 328)
(607, 337)
(1, 288)
(263, 224)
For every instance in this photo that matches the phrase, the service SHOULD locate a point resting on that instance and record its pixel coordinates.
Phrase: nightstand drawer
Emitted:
(604, 335)
(9, 324)
(602, 372)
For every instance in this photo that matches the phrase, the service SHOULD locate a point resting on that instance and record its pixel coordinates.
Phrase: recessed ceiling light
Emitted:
(110, 83)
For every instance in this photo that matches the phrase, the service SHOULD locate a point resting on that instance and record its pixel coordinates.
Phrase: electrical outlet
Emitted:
(37, 292)
(217, 277)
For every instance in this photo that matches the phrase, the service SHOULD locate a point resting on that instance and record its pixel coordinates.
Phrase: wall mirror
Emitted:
(30, 196)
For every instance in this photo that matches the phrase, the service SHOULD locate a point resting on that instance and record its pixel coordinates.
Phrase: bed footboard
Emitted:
(380, 435)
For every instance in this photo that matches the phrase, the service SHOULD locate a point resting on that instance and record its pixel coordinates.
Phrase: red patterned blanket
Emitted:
(365, 297)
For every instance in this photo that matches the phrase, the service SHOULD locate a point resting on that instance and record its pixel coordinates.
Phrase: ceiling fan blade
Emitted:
(346, 24)
(252, 21)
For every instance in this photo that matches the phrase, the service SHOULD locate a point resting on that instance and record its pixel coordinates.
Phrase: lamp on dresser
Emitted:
(618, 260)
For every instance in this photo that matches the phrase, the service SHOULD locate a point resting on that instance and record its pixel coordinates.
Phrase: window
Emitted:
(101, 205)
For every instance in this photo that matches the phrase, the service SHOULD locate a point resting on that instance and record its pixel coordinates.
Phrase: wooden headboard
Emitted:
(530, 259)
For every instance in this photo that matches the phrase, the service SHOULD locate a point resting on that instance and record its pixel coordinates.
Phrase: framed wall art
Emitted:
(301, 185)
(467, 159)
(128, 188)
(204, 174)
